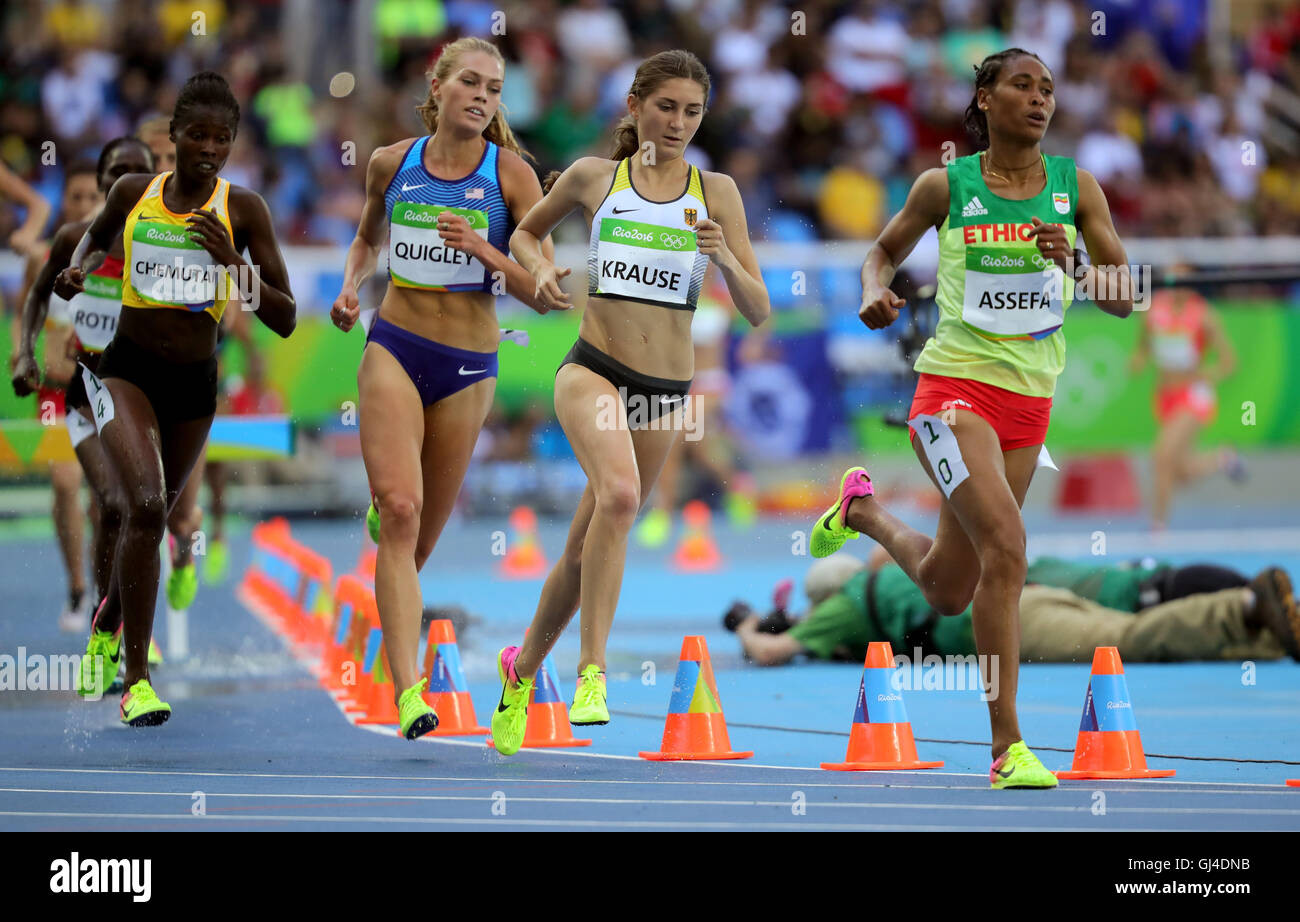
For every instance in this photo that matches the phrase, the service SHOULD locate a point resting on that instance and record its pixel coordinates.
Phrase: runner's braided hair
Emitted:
(986, 74)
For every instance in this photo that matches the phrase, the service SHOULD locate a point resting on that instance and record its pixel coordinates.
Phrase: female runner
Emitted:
(656, 223)
(447, 203)
(154, 395)
(984, 397)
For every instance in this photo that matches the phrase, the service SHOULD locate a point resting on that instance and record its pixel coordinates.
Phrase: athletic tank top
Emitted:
(1177, 336)
(1001, 304)
(649, 256)
(93, 312)
(417, 256)
(163, 266)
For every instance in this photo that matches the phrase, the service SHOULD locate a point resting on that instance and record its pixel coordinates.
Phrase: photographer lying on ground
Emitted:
(1153, 612)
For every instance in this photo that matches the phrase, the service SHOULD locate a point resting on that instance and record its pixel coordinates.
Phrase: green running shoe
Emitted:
(217, 564)
(655, 528)
(182, 586)
(1020, 768)
(372, 520)
(742, 510)
(416, 717)
(141, 707)
(99, 665)
(830, 532)
(510, 719)
(589, 699)
(155, 653)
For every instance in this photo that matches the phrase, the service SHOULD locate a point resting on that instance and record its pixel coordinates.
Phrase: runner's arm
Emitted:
(736, 260)
(926, 207)
(1108, 275)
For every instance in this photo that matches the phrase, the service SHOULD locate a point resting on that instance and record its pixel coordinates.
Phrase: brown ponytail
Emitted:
(498, 130)
(653, 73)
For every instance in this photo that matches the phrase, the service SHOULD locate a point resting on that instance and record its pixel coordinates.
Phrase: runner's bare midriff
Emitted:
(460, 319)
(651, 340)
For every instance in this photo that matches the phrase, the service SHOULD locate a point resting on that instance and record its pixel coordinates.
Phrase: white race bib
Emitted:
(417, 256)
(168, 268)
(101, 401)
(1175, 352)
(1012, 292)
(95, 310)
(79, 428)
(648, 262)
(941, 450)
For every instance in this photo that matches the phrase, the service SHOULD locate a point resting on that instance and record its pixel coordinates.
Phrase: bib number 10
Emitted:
(941, 450)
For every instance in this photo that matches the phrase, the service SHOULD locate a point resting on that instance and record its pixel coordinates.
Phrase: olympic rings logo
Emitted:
(673, 241)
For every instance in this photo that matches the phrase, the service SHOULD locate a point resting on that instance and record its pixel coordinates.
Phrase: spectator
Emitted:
(867, 49)
(1108, 153)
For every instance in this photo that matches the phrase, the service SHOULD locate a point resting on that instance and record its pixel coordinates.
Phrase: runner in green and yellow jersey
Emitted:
(1007, 219)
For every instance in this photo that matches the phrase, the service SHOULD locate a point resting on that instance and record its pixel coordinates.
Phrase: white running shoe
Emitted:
(76, 620)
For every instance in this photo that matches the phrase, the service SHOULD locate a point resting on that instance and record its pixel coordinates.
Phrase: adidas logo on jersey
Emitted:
(974, 207)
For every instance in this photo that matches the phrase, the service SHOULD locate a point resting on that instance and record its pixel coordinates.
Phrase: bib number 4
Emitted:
(101, 401)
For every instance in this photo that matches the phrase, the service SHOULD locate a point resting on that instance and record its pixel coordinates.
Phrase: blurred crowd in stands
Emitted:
(824, 112)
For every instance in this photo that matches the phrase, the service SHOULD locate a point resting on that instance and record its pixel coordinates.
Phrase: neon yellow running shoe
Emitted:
(1020, 768)
(217, 564)
(589, 699)
(830, 532)
(99, 665)
(510, 719)
(182, 586)
(141, 707)
(155, 653)
(416, 717)
(655, 528)
(372, 520)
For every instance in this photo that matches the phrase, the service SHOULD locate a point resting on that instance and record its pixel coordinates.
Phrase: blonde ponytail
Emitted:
(498, 130)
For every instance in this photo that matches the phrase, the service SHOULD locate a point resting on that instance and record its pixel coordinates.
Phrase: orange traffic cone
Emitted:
(548, 715)
(524, 559)
(377, 697)
(354, 681)
(881, 738)
(366, 564)
(697, 552)
(448, 693)
(1109, 745)
(271, 581)
(695, 727)
(349, 608)
(307, 622)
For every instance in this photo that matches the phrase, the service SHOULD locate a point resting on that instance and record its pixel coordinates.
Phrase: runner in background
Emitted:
(13, 189)
(1180, 331)
(81, 198)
